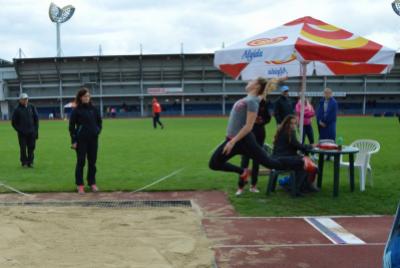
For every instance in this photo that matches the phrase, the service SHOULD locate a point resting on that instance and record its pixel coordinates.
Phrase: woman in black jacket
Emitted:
(286, 144)
(85, 126)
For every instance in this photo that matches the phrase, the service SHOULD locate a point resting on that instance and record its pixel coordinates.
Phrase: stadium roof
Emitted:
(5, 63)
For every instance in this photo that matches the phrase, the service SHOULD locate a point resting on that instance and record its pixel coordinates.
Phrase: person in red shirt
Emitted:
(156, 114)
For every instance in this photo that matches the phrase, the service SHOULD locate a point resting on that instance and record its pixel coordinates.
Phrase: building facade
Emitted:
(185, 84)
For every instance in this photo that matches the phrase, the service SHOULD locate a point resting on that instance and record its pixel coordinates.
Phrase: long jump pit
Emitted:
(131, 234)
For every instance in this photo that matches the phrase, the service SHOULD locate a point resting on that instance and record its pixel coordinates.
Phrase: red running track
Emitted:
(241, 242)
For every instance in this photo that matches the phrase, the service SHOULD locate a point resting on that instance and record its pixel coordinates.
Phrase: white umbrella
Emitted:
(301, 47)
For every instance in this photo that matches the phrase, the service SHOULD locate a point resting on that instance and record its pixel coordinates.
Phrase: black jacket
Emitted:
(283, 108)
(25, 120)
(263, 116)
(284, 146)
(85, 122)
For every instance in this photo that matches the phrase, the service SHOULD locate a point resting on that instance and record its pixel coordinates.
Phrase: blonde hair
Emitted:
(267, 86)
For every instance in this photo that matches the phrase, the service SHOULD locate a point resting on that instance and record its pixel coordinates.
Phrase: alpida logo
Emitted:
(266, 41)
(250, 54)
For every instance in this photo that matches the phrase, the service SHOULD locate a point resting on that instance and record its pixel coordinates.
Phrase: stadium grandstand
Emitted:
(185, 84)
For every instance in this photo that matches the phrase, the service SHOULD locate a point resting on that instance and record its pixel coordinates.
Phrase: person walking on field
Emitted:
(25, 121)
(85, 125)
(156, 114)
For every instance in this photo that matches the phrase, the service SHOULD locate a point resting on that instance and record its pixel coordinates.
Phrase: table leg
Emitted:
(320, 169)
(351, 167)
(336, 171)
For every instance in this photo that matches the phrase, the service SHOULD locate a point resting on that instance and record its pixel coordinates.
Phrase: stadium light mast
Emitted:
(58, 16)
(396, 6)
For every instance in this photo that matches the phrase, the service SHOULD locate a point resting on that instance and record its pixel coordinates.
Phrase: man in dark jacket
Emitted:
(25, 121)
(283, 106)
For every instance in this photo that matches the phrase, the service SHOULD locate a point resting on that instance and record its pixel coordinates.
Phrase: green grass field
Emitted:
(132, 154)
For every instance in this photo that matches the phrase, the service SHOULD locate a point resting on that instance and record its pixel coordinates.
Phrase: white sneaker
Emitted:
(239, 192)
(254, 189)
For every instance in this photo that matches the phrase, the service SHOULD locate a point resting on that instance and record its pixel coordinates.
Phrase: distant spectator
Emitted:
(156, 114)
(309, 113)
(326, 116)
(398, 115)
(113, 112)
(283, 106)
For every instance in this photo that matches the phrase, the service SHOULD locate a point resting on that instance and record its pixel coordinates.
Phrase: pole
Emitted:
(303, 70)
(183, 106)
(141, 82)
(61, 99)
(141, 106)
(58, 40)
(365, 96)
(101, 98)
(223, 105)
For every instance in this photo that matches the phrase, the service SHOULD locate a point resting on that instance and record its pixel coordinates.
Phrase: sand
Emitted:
(102, 237)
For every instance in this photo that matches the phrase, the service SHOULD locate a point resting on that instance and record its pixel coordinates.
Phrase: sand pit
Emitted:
(102, 237)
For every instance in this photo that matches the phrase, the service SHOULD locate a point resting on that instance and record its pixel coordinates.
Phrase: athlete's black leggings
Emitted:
(259, 134)
(248, 146)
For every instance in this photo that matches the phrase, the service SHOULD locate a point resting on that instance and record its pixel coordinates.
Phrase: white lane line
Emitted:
(294, 217)
(334, 231)
(13, 189)
(159, 180)
(293, 245)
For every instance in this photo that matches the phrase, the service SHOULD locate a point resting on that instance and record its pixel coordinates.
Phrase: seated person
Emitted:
(286, 144)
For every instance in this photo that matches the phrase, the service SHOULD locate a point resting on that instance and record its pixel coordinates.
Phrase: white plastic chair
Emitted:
(362, 159)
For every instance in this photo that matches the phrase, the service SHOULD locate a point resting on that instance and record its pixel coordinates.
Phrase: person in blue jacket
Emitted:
(326, 116)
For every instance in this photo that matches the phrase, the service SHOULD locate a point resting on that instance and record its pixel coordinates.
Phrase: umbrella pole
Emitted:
(303, 69)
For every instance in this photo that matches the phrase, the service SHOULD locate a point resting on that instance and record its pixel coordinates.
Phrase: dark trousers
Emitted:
(259, 133)
(309, 133)
(27, 144)
(248, 146)
(301, 178)
(87, 148)
(156, 120)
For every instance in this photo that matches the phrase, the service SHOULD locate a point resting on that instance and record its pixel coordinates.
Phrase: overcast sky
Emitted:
(120, 26)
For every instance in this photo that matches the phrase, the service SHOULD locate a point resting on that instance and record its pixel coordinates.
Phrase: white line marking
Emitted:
(293, 245)
(158, 181)
(13, 189)
(334, 231)
(295, 217)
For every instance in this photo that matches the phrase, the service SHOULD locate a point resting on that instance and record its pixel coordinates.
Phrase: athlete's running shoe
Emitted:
(239, 192)
(94, 188)
(81, 189)
(254, 189)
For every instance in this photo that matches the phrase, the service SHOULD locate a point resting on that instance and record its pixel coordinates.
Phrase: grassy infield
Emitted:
(132, 154)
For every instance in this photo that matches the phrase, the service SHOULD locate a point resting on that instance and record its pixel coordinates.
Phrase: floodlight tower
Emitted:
(58, 16)
(396, 6)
